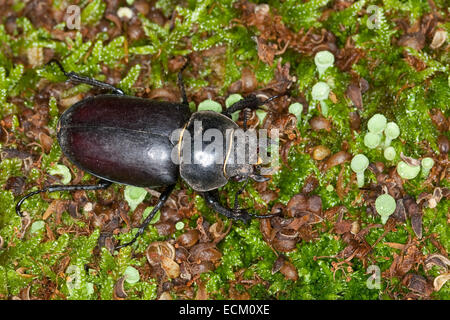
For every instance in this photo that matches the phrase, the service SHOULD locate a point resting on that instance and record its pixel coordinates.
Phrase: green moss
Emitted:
(301, 15)
(397, 90)
(93, 12)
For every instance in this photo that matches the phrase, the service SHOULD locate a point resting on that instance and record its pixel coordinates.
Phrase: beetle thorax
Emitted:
(209, 151)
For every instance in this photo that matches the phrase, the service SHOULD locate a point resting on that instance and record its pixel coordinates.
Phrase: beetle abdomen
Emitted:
(123, 139)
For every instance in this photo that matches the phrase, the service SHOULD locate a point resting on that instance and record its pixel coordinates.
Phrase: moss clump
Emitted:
(405, 85)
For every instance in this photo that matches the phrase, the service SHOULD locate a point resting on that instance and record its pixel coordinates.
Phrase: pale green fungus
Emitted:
(37, 225)
(134, 196)
(73, 278)
(323, 60)
(392, 131)
(131, 275)
(427, 164)
(320, 92)
(179, 225)
(89, 288)
(390, 153)
(296, 109)
(62, 171)
(372, 140)
(209, 105)
(406, 171)
(232, 99)
(359, 164)
(261, 114)
(377, 123)
(385, 206)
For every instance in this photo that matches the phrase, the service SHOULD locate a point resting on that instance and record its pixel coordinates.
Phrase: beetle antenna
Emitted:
(19, 204)
(77, 78)
(59, 66)
(271, 98)
(263, 216)
(181, 82)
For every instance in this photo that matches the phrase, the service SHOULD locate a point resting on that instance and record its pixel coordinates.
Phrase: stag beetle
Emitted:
(128, 140)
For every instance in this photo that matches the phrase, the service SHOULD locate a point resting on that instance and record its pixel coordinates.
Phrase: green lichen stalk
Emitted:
(367, 81)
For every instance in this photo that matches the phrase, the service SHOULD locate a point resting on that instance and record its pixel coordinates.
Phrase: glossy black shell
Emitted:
(202, 167)
(123, 139)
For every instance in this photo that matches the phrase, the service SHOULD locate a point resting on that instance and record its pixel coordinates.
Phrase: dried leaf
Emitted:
(56, 206)
(354, 93)
(342, 227)
(418, 284)
(416, 224)
(440, 280)
(437, 260)
(26, 222)
(266, 50)
(439, 39)
(289, 271)
(158, 249)
(201, 294)
(395, 245)
(205, 252)
(119, 290)
(298, 222)
(337, 159)
(20, 271)
(400, 211)
(171, 268)
(190, 238)
(165, 296)
(410, 161)
(278, 263)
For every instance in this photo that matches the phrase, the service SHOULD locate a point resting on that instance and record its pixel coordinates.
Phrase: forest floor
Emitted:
(328, 240)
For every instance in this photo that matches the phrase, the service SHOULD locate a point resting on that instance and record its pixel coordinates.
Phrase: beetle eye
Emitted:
(239, 178)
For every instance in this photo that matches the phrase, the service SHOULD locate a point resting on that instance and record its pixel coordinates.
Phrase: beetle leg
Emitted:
(237, 194)
(212, 200)
(236, 202)
(181, 85)
(75, 77)
(251, 101)
(103, 184)
(162, 199)
(246, 113)
(258, 178)
(256, 175)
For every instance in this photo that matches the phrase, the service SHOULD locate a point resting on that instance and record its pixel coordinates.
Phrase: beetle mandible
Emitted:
(128, 140)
